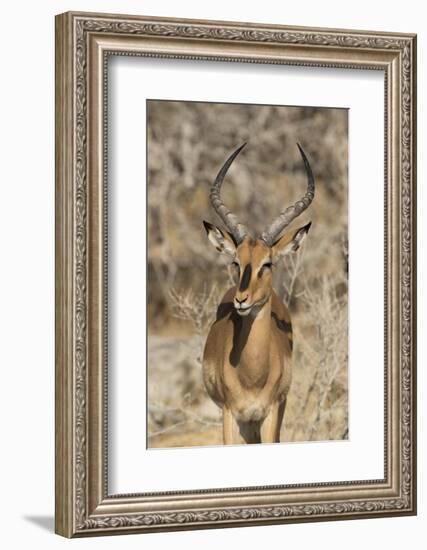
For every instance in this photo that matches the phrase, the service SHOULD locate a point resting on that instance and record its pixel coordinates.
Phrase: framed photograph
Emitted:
(235, 274)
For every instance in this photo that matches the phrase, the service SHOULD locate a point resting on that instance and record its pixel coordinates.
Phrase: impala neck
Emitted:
(251, 345)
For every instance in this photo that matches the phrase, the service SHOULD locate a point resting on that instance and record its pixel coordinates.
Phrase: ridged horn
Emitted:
(230, 221)
(270, 235)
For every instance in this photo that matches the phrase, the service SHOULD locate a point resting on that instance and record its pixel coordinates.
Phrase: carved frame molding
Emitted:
(83, 43)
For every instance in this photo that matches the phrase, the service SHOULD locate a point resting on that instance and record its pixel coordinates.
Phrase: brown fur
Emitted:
(247, 359)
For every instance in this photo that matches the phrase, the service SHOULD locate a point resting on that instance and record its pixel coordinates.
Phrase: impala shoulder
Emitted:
(280, 315)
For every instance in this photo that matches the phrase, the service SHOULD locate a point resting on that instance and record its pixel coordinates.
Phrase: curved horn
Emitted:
(287, 216)
(230, 221)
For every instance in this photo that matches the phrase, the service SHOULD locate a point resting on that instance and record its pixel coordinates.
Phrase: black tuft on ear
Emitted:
(221, 239)
(208, 226)
(307, 227)
(299, 235)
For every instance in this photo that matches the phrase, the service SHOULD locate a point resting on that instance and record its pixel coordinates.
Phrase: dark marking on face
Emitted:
(246, 278)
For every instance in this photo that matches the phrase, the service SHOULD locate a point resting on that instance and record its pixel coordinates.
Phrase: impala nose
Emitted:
(241, 305)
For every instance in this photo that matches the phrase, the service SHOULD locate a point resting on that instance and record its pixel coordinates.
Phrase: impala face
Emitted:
(253, 258)
(252, 262)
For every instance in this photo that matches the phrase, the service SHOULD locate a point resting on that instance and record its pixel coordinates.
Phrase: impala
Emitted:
(247, 366)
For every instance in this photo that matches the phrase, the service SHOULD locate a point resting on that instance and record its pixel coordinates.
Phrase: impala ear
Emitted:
(222, 240)
(290, 241)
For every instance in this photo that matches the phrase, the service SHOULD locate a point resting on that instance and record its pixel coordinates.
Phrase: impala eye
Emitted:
(265, 266)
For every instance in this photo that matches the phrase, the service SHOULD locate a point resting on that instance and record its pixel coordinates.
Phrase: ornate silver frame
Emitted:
(83, 42)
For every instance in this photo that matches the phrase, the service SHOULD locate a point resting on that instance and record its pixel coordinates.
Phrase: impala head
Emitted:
(253, 258)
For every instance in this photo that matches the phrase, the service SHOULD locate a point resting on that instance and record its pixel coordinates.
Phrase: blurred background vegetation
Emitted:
(187, 144)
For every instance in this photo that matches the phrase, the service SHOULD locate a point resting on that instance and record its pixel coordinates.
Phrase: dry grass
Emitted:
(187, 144)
